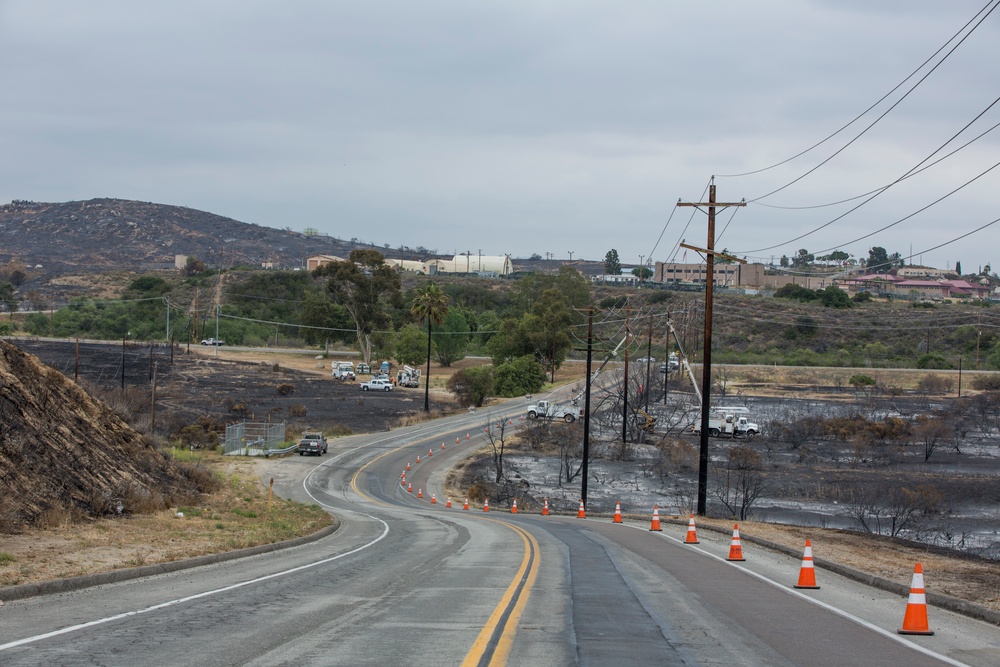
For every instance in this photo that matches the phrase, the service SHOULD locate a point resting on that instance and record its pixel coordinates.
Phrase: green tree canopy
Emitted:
(366, 287)
(453, 338)
(409, 345)
(472, 386)
(319, 313)
(519, 376)
(878, 260)
(612, 265)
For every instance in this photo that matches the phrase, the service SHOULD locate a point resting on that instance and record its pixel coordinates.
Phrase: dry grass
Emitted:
(233, 518)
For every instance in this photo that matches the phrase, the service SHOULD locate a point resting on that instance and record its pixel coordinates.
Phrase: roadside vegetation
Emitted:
(236, 515)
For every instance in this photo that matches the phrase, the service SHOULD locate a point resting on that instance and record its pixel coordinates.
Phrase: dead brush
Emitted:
(136, 499)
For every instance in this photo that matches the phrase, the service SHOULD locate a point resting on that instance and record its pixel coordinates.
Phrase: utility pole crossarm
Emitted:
(706, 251)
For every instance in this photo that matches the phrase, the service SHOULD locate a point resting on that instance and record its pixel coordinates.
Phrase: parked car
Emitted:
(312, 443)
(377, 384)
(212, 341)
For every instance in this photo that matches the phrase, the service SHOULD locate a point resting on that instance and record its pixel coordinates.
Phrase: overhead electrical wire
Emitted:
(881, 116)
(879, 101)
(680, 239)
(919, 210)
(873, 196)
(911, 173)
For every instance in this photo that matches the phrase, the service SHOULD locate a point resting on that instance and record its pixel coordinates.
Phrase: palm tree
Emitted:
(430, 304)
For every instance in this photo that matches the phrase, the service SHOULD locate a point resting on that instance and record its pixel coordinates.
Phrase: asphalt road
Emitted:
(408, 582)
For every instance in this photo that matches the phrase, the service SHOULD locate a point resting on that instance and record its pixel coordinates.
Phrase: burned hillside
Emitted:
(66, 456)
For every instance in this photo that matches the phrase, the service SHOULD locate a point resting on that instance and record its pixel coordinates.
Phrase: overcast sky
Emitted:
(511, 127)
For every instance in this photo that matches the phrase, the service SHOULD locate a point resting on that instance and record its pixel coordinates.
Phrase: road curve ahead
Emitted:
(411, 582)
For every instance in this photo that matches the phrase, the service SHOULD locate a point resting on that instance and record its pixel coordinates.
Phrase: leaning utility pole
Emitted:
(706, 367)
(586, 406)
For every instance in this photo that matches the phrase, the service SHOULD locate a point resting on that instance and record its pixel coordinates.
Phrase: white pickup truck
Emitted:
(377, 384)
(547, 410)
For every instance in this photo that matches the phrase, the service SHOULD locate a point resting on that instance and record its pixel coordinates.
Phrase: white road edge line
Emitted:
(224, 589)
(171, 603)
(840, 612)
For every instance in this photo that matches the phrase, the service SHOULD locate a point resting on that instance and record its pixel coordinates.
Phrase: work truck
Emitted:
(729, 422)
(549, 410)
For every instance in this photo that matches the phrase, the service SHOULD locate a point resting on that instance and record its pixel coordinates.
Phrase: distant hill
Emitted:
(99, 235)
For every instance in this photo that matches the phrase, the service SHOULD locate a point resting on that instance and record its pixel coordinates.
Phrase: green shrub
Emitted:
(859, 380)
(933, 361)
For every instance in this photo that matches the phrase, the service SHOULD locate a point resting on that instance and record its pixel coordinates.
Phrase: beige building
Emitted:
(316, 261)
(750, 276)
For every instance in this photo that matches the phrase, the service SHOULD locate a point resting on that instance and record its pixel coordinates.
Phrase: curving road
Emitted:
(408, 582)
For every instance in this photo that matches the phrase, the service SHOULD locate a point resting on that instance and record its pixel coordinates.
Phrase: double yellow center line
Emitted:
(492, 646)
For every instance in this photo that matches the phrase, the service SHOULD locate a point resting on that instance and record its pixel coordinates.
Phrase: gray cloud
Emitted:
(511, 127)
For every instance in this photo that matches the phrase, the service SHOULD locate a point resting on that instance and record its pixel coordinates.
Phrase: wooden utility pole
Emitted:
(706, 365)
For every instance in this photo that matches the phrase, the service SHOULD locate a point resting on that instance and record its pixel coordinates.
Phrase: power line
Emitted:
(913, 172)
(880, 100)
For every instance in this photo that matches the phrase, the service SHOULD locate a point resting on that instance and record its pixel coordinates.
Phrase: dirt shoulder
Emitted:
(237, 517)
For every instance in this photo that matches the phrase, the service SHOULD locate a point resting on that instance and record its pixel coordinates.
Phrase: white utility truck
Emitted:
(548, 410)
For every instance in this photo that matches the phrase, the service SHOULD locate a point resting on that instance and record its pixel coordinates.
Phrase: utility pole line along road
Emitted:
(706, 375)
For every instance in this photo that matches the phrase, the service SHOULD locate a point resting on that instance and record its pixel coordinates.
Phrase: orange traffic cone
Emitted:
(430, 452)
(618, 513)
(434, 499)
(486, 505)
(807, 573)
(545, 508)
(735, 549)
(407, 466)
(418, 458)
(442, 445)
(915, 620)
(409, 488)
(420, 493)
(448, 504)
(580, 514)
(456, 439)
(466, 505)
(655, 525)
(513, 508)
(692, 534)
(466, 436)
